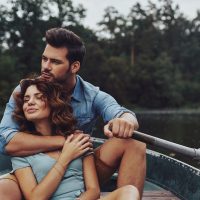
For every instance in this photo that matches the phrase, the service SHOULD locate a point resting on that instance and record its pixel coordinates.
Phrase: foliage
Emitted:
(149, 57)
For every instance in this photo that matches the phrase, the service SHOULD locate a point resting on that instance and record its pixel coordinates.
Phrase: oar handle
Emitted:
(165, 144)
(144, 137)
(174, 147)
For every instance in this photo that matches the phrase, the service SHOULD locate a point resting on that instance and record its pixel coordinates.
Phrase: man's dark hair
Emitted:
(60, 37)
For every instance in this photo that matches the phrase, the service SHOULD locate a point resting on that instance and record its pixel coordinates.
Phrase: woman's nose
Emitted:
(31, 101)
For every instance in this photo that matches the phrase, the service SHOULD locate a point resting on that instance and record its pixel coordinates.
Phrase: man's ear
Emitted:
(75, 67)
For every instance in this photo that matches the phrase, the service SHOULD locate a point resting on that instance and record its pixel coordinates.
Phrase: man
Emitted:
(61, 61)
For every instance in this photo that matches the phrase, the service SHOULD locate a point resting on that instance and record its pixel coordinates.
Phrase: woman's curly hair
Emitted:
(61, 116)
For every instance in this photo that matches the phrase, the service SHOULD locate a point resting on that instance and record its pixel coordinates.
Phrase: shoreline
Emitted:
(169, 111)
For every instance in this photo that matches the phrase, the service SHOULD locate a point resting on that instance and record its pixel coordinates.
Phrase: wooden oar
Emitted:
(165, 144)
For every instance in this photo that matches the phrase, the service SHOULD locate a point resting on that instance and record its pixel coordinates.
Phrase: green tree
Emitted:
(116, 77)
(65, 14)
(156, 83)
(8, 76)
(23, 25)
(26, 23)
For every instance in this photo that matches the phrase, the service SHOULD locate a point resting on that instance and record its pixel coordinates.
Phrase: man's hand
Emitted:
(122, 127)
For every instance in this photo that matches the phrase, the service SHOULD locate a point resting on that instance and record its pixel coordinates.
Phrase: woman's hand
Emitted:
(74, 146)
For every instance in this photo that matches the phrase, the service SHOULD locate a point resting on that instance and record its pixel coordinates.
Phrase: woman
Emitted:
(43, 108)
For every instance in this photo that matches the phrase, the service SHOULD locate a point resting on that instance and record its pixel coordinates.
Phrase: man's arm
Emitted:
(24, 144)
(121, 122)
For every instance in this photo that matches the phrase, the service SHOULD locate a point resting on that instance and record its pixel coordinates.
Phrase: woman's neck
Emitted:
(43, 127)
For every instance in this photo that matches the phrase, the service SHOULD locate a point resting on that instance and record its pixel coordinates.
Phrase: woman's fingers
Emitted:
(84, 140)
(87, 145)
(69, 138)
(83, 143)
(79, 144)
(81, 137)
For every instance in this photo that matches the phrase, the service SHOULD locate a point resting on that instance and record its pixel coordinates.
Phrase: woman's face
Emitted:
(35, 105)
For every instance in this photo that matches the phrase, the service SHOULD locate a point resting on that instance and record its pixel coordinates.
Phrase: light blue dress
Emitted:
(72, 184)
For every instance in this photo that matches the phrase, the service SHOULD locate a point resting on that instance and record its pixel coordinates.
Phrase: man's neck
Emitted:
(69, 84)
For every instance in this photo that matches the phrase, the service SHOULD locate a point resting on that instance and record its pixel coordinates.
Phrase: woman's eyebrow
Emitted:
(35, 94)
(38, 93)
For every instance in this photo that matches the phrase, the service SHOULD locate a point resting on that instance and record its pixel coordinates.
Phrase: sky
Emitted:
(95, 8)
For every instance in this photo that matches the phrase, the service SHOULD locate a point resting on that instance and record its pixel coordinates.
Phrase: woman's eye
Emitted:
(40, 97)
(25, 100)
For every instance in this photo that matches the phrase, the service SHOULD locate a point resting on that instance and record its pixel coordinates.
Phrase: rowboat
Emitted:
(166, 179)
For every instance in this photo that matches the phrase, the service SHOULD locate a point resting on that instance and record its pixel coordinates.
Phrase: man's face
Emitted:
(55, 65)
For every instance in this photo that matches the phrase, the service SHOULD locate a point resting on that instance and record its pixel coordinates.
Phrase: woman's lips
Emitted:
(31, 110)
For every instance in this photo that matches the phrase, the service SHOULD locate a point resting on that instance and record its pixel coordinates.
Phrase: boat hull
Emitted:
(178, 177)
(173, 175)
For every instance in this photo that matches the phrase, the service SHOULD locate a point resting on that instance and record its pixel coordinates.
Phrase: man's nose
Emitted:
(47, 65)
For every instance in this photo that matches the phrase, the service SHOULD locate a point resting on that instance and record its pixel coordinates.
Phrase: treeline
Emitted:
(149, 58)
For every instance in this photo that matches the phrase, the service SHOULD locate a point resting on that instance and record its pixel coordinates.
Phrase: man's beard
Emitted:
(48, 76)
(65, 78)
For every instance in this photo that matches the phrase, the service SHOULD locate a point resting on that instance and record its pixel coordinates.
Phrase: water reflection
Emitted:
(182, 128)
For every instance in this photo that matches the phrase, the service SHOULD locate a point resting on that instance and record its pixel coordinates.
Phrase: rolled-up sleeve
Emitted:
(108, 107)
(8, 127)
(2, 144)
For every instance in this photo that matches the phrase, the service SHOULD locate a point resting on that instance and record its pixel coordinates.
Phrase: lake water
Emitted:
(179, 127)
(182, 127)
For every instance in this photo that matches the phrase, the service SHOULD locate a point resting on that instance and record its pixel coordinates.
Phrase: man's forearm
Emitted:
(24, 144)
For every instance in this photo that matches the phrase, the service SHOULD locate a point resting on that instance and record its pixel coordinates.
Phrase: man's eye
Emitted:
(44, 59)
(57, 62)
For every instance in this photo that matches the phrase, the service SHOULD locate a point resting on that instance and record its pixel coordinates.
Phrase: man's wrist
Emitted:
(60, 141)
(131, 118)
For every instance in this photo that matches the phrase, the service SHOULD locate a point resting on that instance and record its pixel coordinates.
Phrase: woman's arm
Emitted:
(73, 148)
(34, 191)
(91, 180)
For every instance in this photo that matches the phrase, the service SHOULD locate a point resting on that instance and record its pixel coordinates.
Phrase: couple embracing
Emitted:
(44, 126)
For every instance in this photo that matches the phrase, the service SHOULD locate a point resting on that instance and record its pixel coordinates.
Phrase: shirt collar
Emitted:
(77, 93)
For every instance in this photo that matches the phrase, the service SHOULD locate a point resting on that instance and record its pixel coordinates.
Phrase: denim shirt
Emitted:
(88, 103)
